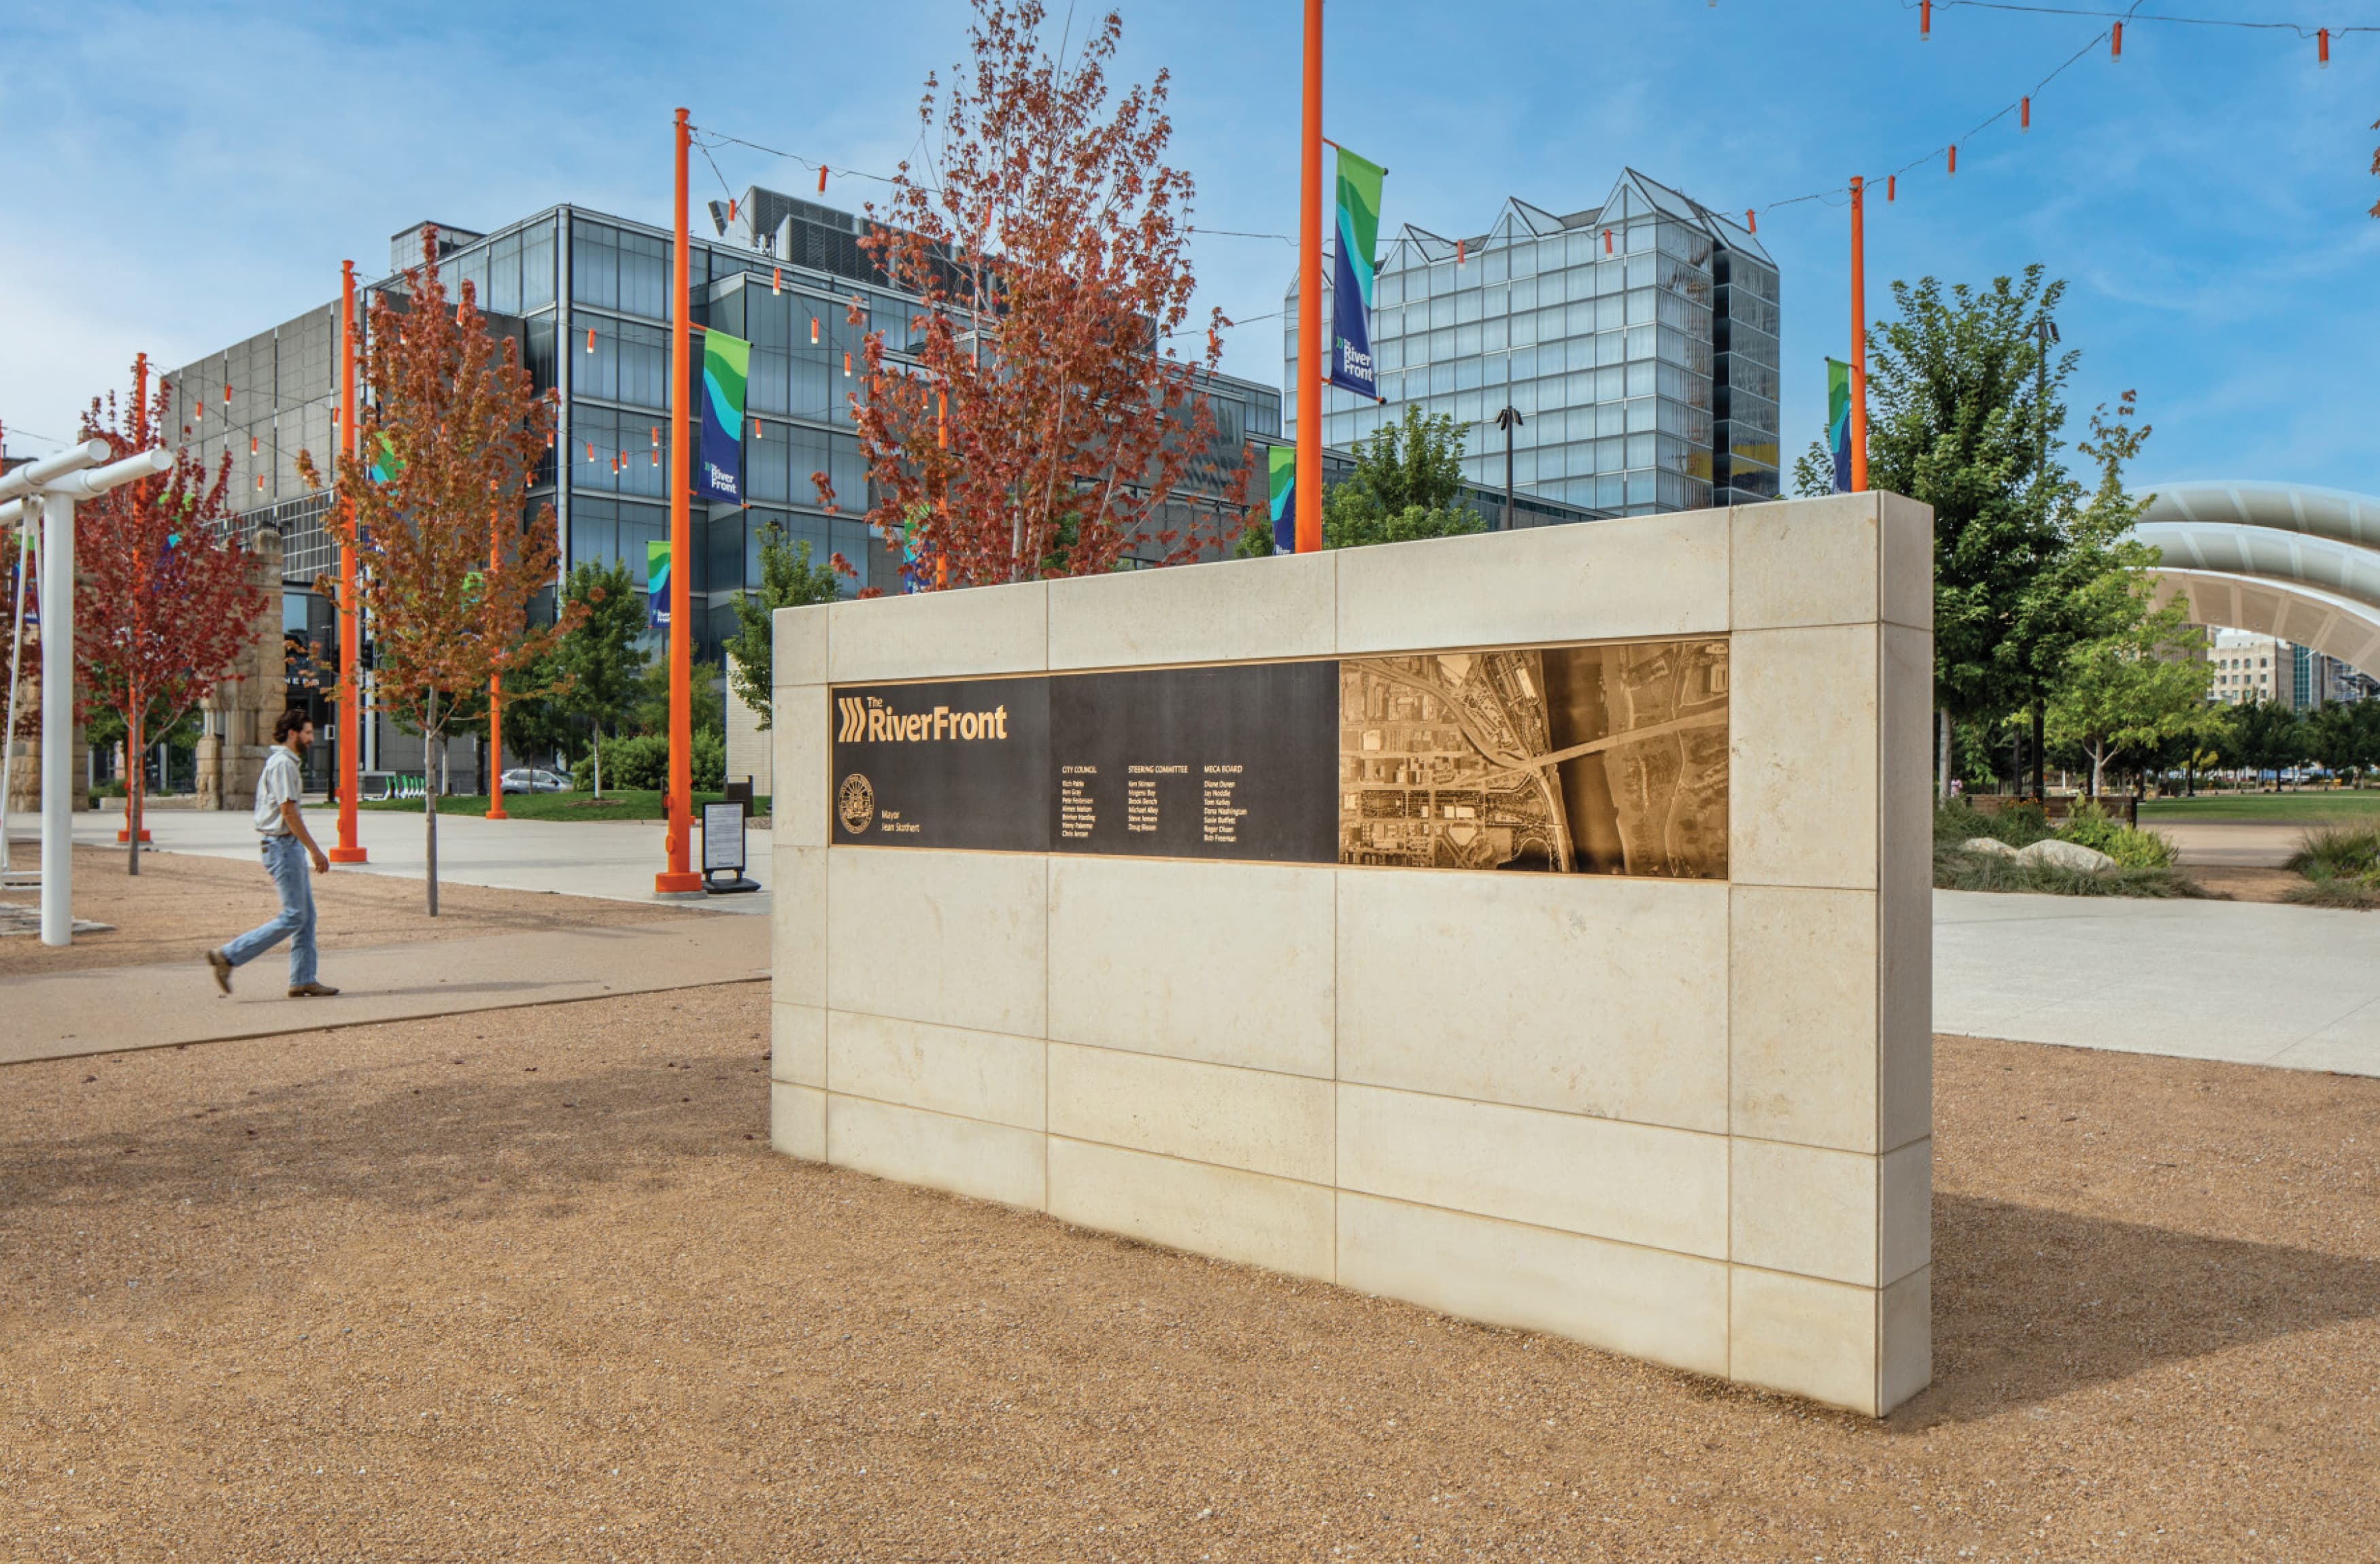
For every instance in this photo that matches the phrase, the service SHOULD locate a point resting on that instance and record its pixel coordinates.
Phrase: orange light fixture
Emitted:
(847, 363)
(590, 339)
(776, 279)
(1924, 20)
(1458, 252)
(2321, 46)
(1751, 221)
(1890, 180)
(813, 331)
(2115, 47)
(251, 446)
(822, 178)
(1606, 241)
(1954, 157)
(2024, 114)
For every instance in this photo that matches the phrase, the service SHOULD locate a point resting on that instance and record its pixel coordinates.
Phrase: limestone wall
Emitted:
(1688, 1120)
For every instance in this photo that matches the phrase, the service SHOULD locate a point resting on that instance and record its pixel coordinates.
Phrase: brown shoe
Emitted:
(221, 965)
(311, 991)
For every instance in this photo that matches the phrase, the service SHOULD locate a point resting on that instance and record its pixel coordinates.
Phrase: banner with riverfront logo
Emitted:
(656, 585)
(1602, 758)
(1839, 421)
(726, 361)
(1281, 472)
(1352, 368)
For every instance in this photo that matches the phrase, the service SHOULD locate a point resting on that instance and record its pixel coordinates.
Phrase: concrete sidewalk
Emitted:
(108, 1010)
(614, 860)
(2230, 843)
(2253, 983)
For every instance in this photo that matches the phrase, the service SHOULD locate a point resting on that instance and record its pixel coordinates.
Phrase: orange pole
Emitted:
(348, 851)
(1311, 370)
(679, 878)
(496, 688)
(1859, 337)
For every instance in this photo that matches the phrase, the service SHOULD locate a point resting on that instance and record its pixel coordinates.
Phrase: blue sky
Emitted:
(181, 176)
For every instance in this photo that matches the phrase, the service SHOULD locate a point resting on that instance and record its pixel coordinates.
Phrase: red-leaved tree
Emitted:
(1045, 420)
(451, 437)
(165, 599)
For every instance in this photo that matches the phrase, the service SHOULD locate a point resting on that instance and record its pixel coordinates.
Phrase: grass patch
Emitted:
(2269, 808)
(2341, 864)
(628, 804)
(1957, 870)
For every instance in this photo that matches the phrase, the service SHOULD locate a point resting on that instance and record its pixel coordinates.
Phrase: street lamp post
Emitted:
(1508, 421)
(51, 487)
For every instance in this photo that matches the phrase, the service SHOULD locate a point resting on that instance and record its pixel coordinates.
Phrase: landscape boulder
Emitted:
(2066, 855)
(1989, 846)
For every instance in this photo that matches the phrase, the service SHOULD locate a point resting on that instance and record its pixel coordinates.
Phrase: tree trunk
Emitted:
(2040, 752)
(2098, 771)
(599, 760)
(434, 749)
(133, 737)
(1942, 783)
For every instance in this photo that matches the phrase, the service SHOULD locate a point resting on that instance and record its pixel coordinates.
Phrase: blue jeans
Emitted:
(285, 860)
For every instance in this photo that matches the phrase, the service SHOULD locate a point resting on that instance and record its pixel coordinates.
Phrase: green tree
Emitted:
(1406, 485)
(2267, 737)
(2134, 689)
(603, 659)
(788, 579)
(649, 707)
(2345, 737)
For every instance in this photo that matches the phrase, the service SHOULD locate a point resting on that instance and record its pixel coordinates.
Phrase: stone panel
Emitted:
(797, 1044)
(951, 938)
(1646, 575)
(1235, 611)
(962, 1156)
(928, 635)
(986, 1075)
(1277, 1223)
(1258, 1120)
(1581, 993)
(1802, 986)
(1669, 1308)
(1804, 562)
(1802, 714)
(1663, 1188)
(1810, 1338)
(1138, 949)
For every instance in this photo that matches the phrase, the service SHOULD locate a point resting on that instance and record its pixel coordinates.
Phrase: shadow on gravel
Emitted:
(480, 1142)
(2030, 1303)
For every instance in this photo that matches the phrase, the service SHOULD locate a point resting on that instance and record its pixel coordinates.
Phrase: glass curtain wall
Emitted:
(1604, 330)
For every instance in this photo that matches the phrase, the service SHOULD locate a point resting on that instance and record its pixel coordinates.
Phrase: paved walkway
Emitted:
(109, 1009)
(616, 860)
(2231, 843)
(2253, 983)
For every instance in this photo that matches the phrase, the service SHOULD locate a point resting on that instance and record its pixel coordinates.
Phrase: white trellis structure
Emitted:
(48, 488)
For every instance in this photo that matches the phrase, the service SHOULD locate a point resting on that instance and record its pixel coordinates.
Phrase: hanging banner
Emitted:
(1351, 282)
(1839, 421)
(657, 583)
(385, 463)
(1281, 473)
(726, 362)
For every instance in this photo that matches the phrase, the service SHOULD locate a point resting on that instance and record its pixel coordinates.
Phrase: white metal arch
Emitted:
(2345, 629)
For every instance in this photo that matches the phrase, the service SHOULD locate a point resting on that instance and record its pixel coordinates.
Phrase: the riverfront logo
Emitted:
(856, 803)
(871, 719)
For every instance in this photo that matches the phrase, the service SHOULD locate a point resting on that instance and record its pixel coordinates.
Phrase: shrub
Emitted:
(2020, 825)
(2336, 852)
(2094, 827)
(1955, 870)
(641, 762)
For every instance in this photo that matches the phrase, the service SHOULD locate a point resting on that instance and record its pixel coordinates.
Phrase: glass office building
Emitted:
(1637, 340)
(586, 297)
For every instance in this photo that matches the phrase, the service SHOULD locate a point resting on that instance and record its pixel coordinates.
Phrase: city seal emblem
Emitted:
(855, 804)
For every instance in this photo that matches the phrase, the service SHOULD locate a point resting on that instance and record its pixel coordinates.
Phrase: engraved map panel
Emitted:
(1591, 759)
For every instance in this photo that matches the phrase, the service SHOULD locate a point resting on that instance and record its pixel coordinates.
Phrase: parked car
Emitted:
(530, 779)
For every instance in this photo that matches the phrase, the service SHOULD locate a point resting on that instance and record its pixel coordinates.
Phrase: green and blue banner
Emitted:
(1839, 421)
(726, 360)
(657, 583)
(385, 463)
(1352, 367)
(1281, 472)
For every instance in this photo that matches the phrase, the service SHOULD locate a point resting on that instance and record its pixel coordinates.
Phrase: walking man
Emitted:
(288, 845)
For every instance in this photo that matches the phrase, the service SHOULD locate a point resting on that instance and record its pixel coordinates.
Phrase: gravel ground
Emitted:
(181, 903)
(436, 1291)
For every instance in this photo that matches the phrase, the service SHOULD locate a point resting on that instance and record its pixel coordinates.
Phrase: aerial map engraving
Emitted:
(1593, 759)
